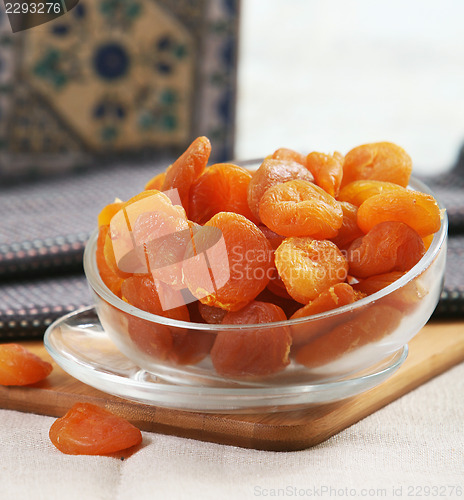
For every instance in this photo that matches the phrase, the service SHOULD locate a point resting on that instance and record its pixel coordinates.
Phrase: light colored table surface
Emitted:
(414, 447)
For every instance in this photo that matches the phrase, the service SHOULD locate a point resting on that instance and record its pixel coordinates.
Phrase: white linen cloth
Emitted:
(414, 447)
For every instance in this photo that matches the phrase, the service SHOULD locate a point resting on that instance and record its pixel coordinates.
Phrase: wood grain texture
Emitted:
(439, 346)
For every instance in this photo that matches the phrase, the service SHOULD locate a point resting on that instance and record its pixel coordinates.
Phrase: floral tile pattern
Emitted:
(117, 79)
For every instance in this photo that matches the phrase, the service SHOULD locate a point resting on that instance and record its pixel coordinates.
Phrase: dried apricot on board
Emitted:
(253, 352)
(308, 267)
(349, 230)
(270, 173)
(287, 154)
(220, 188)
(336, 296)
(327, 171)
(382, 161)
(188, 167)
(156, 182)
(418, 210)
(388, 246)
(357, 192)
(229, 263)
(368, 326)
(18, 366)
(300, 208)
(87, 429)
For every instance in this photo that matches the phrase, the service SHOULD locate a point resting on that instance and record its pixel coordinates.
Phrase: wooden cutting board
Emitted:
(439, 346)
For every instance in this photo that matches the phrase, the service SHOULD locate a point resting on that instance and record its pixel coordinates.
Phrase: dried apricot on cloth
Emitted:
(388, 246)
(270, 173)
(221, 188)
(308, 267)
(327, 171)
(229, 263)
(300, 208)
(418, 210)
(382, 161)
(252, 353)
(88, 429)
(18, 366)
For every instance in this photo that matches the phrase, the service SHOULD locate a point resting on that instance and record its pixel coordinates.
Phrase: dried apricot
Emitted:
(357, 192)
(220, 188)
(18, 366)
(156, 182)
(418, 210)
(300, 208)
(405, 299)
(254, 352)
(229, 263)
(308, 267)
(388, 246)
(270, 173)
(369, 326)
(212, 315)
(152, 296)
(338, 295)
(288, 305)
(349, 230)
(161, 241)
(152, 339)
(286, 154)
(109, 277)
(382, 161)
(327, 171)
(427, 241)
(190, 347)
(377, 282)
(105, 216)
(128, 257)
(187, 168)
(162, 342)
(87, 429)
(274, 239)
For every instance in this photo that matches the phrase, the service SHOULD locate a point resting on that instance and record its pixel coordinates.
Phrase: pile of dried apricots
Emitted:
(301, 235)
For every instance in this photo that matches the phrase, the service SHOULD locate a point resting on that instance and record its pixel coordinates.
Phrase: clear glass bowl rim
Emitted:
(96, 283)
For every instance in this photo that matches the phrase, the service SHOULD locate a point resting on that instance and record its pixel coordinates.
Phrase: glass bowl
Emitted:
(352, 340)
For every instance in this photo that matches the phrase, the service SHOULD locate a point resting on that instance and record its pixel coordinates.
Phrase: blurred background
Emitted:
(132, 81)
(333, 74)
